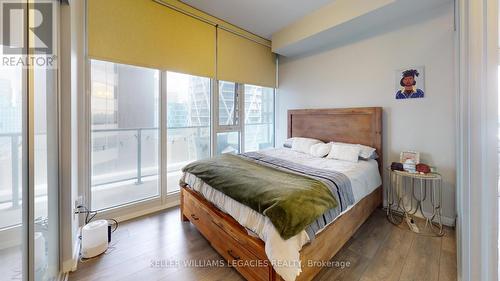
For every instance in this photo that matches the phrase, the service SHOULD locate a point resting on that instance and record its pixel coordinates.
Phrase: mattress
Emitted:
(284, 254)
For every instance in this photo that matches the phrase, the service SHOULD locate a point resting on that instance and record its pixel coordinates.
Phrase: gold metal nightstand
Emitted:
(409, 192)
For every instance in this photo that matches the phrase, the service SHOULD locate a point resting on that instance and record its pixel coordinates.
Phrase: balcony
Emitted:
(125, 164)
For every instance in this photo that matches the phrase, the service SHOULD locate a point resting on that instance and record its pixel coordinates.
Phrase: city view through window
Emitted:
(126, 128)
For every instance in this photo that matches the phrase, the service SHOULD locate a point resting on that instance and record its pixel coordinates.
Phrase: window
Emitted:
(148, 124)
(12, 180)
(228, 104)
(228, 131)
(228, 142)
(256, 132)
(11, 110)
(46, 175)
(29, 187)
(259, 117)
(188, 123)
(125, 134)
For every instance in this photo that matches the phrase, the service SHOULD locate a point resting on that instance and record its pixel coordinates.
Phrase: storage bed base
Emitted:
(352, 125)
(247, 253)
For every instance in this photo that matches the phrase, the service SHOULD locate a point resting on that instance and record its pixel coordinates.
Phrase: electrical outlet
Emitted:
(78, 202)
(75, 209)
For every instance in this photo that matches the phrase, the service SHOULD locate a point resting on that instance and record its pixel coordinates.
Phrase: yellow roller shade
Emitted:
(244, 61)
(144, 33)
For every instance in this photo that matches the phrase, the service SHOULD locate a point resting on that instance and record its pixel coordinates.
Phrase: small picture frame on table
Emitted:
(412, 155)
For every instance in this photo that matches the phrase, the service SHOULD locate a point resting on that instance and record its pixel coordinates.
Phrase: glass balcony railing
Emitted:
(11, 178)
(125, 163)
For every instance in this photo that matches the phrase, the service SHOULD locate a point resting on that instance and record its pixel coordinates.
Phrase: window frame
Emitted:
(273, 119)
(240, 126)
(165, 127)
(134, 206)
(165, 199)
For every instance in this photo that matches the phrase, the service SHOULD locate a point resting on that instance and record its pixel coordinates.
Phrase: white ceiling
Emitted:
(261, 17)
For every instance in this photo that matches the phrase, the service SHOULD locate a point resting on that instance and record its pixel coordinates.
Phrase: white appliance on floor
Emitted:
(94, 238)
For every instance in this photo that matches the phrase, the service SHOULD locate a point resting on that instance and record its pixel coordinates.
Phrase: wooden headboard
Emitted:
(361, 125)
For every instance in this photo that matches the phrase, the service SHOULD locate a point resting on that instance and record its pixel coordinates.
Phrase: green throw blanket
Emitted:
(291, 201)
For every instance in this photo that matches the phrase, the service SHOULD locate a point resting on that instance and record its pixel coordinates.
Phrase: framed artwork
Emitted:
(410, 83)
(413, 155)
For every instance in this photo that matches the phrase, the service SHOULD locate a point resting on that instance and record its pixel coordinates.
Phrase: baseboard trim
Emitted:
(72, 264)
(447, 221)
(451, 222)
(172, 201)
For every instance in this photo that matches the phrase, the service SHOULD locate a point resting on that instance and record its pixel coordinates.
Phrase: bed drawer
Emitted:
(250, 266)
(198, 216)
(247, 256)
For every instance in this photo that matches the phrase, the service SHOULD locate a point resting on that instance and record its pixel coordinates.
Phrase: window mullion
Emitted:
(163, 137)
(241, 111)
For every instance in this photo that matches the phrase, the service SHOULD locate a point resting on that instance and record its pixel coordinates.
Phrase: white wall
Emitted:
(361, 73)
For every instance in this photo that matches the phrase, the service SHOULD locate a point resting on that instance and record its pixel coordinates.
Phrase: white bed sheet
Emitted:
(284, 254)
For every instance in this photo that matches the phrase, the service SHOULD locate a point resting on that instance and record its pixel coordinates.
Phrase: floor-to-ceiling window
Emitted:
(249, 129)
(125, 134)
(147, 124)
(228, 126)
(29, 187)
(12, 180)
(498, 153)
(188, 123)
(259, 117)
(46, 203)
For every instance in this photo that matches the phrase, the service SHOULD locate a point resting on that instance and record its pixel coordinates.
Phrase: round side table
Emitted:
(409, 192)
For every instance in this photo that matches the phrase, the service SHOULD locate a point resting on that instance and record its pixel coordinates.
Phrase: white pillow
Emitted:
(288, 143)
(320, 149)
(304, 144)
(346, 152)
(366, 152)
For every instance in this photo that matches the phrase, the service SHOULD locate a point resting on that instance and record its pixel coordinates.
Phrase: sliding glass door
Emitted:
(15, 192)
(29, 187)
(46, 187)
(127, 151)
(13, 178)
(125, 134)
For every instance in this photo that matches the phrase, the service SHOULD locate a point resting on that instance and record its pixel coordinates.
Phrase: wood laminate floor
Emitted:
(161, 247)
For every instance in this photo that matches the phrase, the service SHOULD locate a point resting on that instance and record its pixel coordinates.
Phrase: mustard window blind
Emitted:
(144, 33)
(244, 61)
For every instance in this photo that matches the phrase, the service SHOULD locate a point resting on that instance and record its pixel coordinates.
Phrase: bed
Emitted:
(238, 234)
